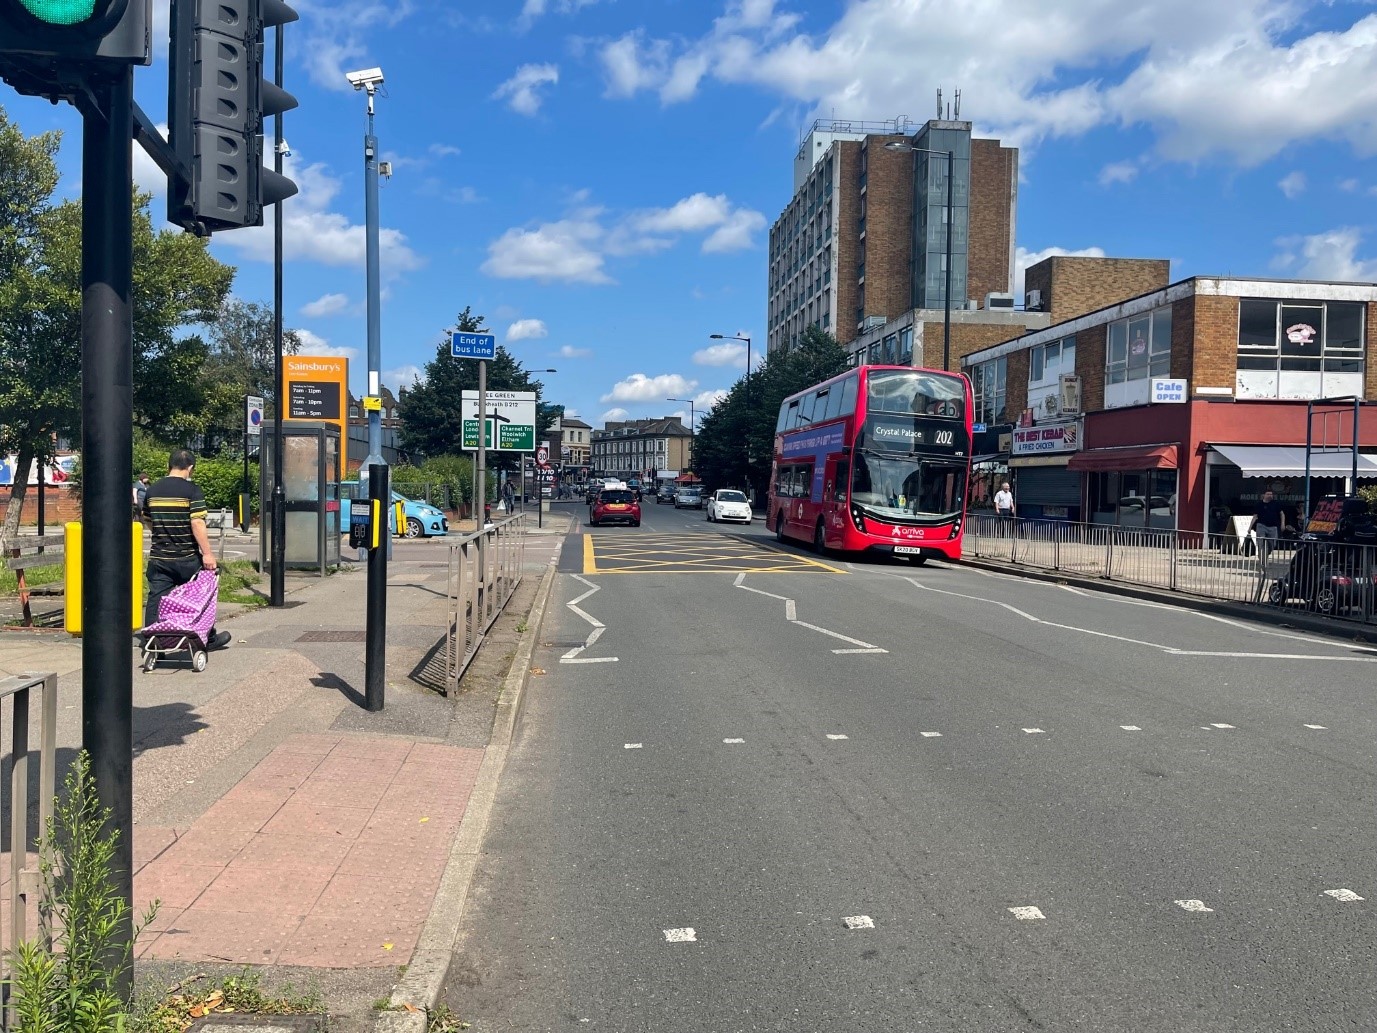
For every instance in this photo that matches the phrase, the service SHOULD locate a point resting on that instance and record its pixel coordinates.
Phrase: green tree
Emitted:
(240, 360)
(431, 411)
(177, 283)
(735, 440)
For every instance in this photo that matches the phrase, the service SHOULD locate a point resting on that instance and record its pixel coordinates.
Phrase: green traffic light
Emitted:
(60, 12)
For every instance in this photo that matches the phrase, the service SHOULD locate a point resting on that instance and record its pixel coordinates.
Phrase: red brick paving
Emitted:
(327, 854)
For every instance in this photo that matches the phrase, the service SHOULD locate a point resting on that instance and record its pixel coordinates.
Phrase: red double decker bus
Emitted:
(875, 460)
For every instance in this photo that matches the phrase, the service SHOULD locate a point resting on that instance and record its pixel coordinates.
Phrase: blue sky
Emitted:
(597, 177)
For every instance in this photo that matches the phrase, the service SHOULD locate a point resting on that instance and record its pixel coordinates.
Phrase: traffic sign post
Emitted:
(253, 427)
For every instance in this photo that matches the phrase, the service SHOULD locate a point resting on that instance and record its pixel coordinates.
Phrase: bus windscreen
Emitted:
(916, 391)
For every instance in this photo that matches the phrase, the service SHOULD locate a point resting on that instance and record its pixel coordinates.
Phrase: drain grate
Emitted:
(333, 636)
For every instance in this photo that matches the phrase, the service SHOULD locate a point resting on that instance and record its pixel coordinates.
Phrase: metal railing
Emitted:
(1335, 580)
(484, 569)
(25, 880)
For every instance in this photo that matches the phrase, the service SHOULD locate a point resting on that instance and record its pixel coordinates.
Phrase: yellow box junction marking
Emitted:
(691, 554)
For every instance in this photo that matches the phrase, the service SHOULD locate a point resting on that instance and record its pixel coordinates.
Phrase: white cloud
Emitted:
(572, 414)
(313, 344)
(705, 400)
(735, 234)
(533, 9)
(694, 213)
(1292, 185)
(640, 388)
(723, 353)
(568, 351)
(527, 330)
(339, 34)
(561, 250)
(147, 176)
(1023, 258)
(313, 233)
(522, 90)
(326, 305)
(1331, 255)
(403, 376)
(1349, 186)
(1118, 172)
(445, 150)
(613, 414)
(1235, 79)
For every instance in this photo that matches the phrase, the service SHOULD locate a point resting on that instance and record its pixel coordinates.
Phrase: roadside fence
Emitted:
(484, 569)
(26, 810)
(1332, 579)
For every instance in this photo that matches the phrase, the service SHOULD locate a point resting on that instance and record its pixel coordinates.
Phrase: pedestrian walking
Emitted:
(140, 493)
(508, 495)
(1004, 505)
(175, 510)
(1271, 521)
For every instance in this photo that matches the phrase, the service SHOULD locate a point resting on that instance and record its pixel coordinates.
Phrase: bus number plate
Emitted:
(906, 550)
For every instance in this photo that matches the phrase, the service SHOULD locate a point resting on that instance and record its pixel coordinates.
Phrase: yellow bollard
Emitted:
(71, 565)
(399, 519)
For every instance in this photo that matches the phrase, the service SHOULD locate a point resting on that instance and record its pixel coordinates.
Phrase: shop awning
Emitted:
(992, 457)
(1129, 458)
(1289, 461)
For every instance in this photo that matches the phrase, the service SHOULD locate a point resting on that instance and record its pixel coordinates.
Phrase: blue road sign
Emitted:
(473, 346)
(979, 428)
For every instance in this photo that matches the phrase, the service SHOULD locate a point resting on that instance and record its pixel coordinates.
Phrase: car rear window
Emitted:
(617, 496)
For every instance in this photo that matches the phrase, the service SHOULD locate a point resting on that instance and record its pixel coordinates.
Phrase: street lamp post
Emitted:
(750, 488)
(693, 432)
(897, 145)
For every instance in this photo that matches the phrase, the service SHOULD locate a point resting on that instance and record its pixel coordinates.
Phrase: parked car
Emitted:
(422, 519)
(729, 504)
(665, 494)
(688, 497)
(615, 505)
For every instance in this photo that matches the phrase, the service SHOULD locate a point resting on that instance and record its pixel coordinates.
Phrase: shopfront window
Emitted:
(1138, 349)
(988, 382)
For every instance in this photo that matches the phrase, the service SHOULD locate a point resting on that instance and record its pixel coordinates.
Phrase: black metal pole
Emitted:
(375, 658)
(946, 313)
(107, 443)
(278, 591)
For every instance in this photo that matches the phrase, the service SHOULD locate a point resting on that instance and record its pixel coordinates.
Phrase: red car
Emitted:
(615, 504)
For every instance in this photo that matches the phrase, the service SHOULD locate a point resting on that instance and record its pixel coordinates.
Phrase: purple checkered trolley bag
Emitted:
(185, 617)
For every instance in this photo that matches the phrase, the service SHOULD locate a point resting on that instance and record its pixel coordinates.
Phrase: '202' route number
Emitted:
(944, 437)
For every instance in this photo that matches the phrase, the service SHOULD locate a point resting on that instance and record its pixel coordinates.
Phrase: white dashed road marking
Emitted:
(733, 740)
(685, 935)
(573, 657)
(831, 736)
(859, 922)
(1193, 905)
(1026, 914)
(1318, 728)
(1035, 731)
(1130, 728)
(931, 735)
(632, 746)
(1216, 724)
(791, 615)
(1344, 895)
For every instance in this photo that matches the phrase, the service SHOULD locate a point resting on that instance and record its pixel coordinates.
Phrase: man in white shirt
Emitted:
(1004, 502)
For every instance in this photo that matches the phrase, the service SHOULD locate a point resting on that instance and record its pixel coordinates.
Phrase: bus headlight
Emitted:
(955, 529)
(857, 518)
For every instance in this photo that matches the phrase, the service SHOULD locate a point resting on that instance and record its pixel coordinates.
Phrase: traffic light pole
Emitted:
(107, 404)
(277, 591)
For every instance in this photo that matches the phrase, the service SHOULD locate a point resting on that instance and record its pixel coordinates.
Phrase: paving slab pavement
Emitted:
(280, 824)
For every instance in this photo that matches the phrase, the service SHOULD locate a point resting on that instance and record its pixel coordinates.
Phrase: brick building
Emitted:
(864, 237)
(1178, 405)
(575, 441)
(642, 448)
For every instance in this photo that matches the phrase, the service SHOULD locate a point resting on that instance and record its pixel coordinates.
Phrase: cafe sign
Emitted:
(1044, 439)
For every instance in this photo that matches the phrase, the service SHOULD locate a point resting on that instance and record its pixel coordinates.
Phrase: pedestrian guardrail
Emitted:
(25, 879)
(484, 570)
(1334, 579)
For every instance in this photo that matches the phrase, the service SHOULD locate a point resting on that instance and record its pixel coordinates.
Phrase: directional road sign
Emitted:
(473, 346)
(509, 422)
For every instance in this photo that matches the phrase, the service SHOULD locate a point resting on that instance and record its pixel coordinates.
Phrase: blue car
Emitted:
(422, 519)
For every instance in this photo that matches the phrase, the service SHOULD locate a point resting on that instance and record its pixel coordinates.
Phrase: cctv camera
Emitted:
(366, 77)
(284, 150)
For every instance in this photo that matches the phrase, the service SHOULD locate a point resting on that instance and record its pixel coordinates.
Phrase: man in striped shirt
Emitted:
(175, 511)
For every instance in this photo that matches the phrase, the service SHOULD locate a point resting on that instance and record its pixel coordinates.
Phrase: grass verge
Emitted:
(239, 581)
(9, 579)
(176, 1008)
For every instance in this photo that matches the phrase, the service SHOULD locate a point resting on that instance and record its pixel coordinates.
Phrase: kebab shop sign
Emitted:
(1040, 440)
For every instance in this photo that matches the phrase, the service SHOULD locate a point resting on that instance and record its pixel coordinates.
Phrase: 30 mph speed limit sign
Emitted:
(542, 455)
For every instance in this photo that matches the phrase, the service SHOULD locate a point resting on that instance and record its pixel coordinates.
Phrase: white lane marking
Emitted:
(859, 922)
(1035, 731)
(572, 656)
(1343, 895)
(791, 615)
(831, 736)
(632, 746)
(931, 735)
(1318, 728)
(1217, 724)
(1170, 650)
(1130, 728)
(733, 740)
(1026, 914)
(684, 935)
(1194, 905)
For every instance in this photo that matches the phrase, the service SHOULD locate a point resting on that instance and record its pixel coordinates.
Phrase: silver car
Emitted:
(688, 498)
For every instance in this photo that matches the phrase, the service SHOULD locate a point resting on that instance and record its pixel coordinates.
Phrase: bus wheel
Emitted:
(779, 526)
(819, 540)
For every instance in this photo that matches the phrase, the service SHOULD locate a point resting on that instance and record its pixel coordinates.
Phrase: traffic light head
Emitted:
(50, 47)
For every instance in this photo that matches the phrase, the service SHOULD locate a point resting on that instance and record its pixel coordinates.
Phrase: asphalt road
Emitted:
(1040, 808)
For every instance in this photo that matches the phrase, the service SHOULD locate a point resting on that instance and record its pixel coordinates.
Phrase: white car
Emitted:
(729, 504)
